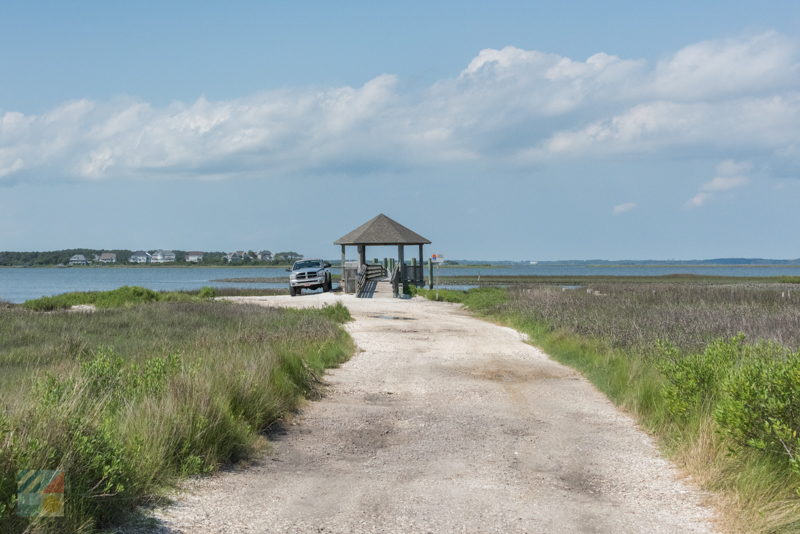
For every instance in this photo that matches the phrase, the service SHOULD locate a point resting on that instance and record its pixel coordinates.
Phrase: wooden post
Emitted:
(343, 279)
(430, 274)
(401, 260)
(421, 267)
(362, 255)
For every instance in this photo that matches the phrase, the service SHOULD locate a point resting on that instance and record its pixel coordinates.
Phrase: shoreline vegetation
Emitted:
(584, 280)
(86, 257)
(171, 265)
(565, 280)
(693, 265)
(712, 371)
(150, 388)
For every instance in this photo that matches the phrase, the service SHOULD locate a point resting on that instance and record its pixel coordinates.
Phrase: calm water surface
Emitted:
(20, 284)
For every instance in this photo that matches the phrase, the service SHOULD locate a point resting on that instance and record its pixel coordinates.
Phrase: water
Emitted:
(19, 285)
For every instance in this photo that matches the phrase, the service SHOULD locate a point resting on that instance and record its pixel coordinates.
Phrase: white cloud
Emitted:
(508, 107)
(727, 67)
(623, 208)
(729, 175)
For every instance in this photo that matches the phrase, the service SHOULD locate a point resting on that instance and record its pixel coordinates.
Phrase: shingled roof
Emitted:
(382, 230)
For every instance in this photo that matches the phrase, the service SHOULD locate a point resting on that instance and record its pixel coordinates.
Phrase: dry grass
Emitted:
(689, 316)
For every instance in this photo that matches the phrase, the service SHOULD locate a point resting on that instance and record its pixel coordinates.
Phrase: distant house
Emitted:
(108, 257)
(194, 257)
(162, 256)
(235, 257)
(265, 255)
(78, 259)
(140, 256)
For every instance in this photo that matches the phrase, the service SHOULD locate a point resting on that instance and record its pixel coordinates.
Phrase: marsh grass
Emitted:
(635, 316)
(712, 371)
(583, 280)
(127, 400)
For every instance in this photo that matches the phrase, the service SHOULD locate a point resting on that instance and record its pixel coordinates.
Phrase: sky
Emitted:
(498, 130)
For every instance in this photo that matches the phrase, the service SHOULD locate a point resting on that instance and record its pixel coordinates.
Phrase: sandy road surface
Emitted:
(446, 423)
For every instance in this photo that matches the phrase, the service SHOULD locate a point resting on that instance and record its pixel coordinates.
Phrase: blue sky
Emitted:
(502, 130)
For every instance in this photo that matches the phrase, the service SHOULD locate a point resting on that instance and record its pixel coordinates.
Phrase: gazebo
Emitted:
(383, 231)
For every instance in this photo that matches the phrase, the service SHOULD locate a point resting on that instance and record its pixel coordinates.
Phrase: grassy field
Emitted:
(712, 370)
(128, 399)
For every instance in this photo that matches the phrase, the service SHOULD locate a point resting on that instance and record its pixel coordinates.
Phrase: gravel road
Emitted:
(445, 423)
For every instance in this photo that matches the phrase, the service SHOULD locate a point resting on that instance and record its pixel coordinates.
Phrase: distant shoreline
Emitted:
(458, 266)
(674, 265)
(146, 266)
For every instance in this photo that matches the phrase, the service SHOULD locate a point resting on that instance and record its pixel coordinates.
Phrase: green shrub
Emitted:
(760, 403)
(125, 295)
(694, 380)
(116, 298)
(207, 293)
(337, 313)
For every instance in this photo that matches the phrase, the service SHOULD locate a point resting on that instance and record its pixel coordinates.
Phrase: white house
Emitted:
(108, 257)
(265, 255)
(235, 257)
(162, 256)
(140, 256)
(78, 259)
(194, 257)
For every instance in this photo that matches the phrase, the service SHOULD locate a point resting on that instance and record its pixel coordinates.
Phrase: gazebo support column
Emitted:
(343, 279)
(401, 259)
(362, 255)
(421, 263)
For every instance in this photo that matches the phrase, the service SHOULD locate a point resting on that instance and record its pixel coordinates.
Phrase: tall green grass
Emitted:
(128, 400)
(725, 405)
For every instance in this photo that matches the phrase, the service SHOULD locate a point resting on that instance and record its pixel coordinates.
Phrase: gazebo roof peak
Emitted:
(381, 230)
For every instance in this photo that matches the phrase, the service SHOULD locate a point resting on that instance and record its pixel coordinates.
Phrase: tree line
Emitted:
(62, 257)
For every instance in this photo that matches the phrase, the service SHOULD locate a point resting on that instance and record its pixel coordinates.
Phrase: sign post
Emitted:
(436, 259)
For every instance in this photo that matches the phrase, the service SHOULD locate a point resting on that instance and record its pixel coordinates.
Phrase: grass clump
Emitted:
(143, 395)
(713, 371)
(123, 296)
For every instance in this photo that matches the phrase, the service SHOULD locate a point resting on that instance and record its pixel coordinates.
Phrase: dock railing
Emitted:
(395, 279)
(367, 273)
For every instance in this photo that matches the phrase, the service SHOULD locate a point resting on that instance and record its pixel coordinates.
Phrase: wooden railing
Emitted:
(370, 272)
(415, 274)
(361, 282)
(375, 271)
(395, 279)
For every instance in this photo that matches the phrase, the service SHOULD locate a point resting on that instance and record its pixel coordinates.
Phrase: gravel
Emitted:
(445, 423)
